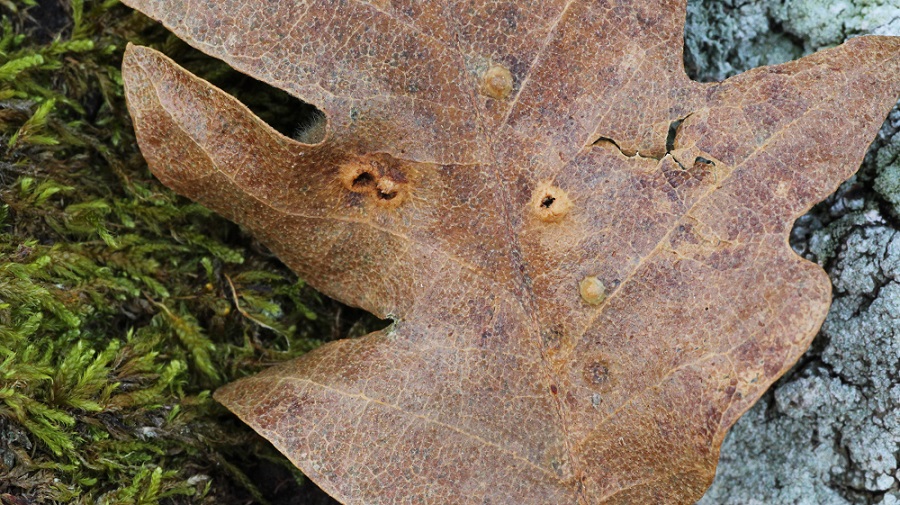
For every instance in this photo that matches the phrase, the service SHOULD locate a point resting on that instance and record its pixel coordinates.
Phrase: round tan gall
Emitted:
(593, 292)
(374, 177)
(358, 177)
(496, 82)
(550, 203)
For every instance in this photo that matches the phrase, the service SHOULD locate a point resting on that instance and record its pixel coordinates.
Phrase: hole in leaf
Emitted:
(606, 141)
(550, 203)
(673, 132)
(313, 130)
(363, 180)
(376, 176)
(287, 114)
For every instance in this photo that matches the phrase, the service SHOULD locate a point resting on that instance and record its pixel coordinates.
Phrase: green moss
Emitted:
(122, 305)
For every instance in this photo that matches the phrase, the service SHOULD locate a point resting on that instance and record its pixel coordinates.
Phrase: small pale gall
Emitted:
(592, 290)
(550, 203)
(496, 82)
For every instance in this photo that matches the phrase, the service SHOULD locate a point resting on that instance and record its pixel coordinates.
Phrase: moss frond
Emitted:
(122, 305)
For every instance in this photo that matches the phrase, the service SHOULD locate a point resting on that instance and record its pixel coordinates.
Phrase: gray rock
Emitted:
(829, 431)
(725, 37)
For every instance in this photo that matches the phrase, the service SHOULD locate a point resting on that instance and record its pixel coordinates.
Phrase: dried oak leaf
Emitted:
(583, 251)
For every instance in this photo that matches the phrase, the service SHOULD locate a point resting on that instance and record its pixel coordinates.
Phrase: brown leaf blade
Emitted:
(585, 253)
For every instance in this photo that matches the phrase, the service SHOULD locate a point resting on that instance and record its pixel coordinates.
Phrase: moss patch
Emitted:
(122, 305)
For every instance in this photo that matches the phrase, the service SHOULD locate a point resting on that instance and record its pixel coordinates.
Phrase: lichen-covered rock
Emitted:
(729, 36)
(725, 37)
(887, 183)
(829, 432)
(821, 23)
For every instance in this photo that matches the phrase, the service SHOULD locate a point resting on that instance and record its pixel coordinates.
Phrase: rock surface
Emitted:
(829, 431)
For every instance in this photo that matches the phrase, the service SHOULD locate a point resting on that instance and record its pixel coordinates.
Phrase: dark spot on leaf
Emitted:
(597, 372)
(673, 132)
(363, 180)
